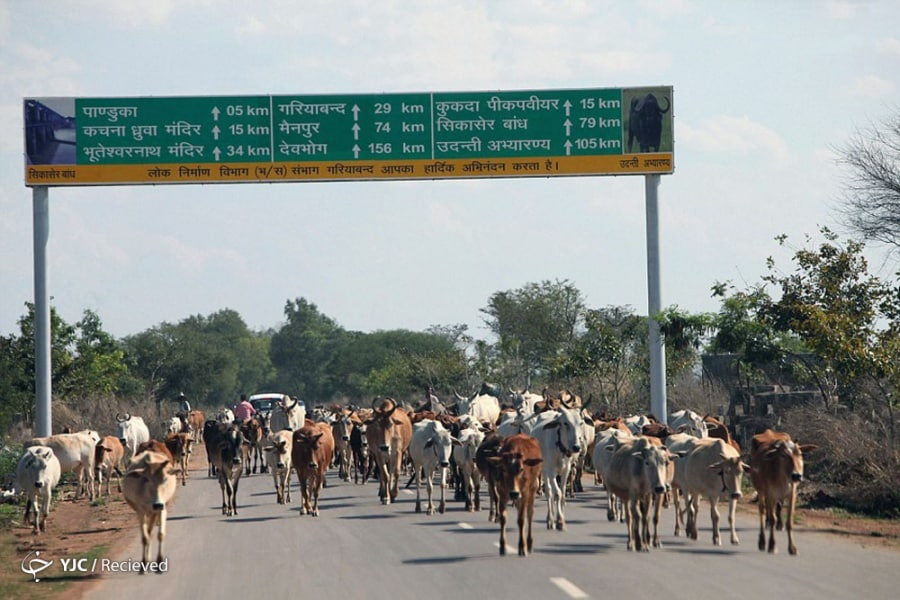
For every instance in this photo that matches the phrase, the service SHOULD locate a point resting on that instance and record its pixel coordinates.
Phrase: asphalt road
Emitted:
(358, 548)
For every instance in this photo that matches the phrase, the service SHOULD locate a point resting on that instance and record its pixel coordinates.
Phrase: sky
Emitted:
(766, 93)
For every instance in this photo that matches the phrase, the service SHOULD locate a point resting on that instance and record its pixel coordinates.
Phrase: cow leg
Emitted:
(789, 523)
(146, 521)
(520, 521)
(761, 504)
(690, 528)
(714, 516)
(418, 476)
(770, 525)
(657, 505)
(732, 521)
(234, 490)
(632, 522)
(161, 535)
(429, 480)
(501, 515)
(443, 505)
(529, 507)
(645, 522)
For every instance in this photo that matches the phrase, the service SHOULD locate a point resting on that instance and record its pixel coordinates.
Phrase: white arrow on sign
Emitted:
(355, 110)
(215, 113)
(355, 151)
(215, 132)
(568, 125)
(216, 153)
(567, 105)
(355, 129)
(568, 146)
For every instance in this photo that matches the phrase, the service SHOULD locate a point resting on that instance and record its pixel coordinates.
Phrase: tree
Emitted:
(534, 325)
(848, 318)
(303, 348)
(872, 206)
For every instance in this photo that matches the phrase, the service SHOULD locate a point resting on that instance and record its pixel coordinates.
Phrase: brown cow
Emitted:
(717, 429)
(156, 446)
(776, 468)
(196, 420)
(252, 431)
(389, 433)
(108, 456)
(148, 488)
(516, 470)
(488, 448)
(311, 454)
(179, 444)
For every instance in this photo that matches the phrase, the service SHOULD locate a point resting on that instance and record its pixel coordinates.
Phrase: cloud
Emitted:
(251, 27)
(726, 134)
(872, 86)
(838, 9)
(889, 46)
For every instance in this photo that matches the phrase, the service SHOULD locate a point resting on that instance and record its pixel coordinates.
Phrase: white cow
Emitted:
(148, 487)
(559, 434)
(75, 452)
(524, 402)
(588, 434)
(687, 421)
(464, 456)
(37, 474)
(601, 457)
(132, 432)
(430, 449)
(712, 469)
(225, 415)
(288, 414)
(483, 407)
(172, 425)
(680, 444)
(278, 458)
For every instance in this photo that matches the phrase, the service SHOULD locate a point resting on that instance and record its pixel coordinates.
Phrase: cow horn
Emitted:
(118, 418)
(668, 106)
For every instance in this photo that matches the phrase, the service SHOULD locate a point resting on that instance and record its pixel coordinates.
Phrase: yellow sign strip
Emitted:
(629, 164)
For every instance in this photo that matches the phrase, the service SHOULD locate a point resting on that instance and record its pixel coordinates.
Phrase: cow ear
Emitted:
(552, 425)
(455, 441)
(714, 466)
(531, 462)
(808, 447)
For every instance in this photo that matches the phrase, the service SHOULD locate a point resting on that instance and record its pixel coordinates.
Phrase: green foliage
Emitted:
(534, 325)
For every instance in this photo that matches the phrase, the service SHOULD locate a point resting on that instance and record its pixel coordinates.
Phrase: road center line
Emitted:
(568, 587)
(465, 526)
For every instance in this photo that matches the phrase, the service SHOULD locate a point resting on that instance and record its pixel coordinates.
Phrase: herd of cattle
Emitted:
(524, 446)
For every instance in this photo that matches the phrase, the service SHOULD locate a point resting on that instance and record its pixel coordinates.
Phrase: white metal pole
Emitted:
(42, 382)
(654, 302)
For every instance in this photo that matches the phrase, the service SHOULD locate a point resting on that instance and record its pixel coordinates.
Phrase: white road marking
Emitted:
(465, 526)
(568, 587)
(509, 549)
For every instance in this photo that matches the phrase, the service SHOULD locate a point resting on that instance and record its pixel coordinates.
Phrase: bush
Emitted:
(854, 467)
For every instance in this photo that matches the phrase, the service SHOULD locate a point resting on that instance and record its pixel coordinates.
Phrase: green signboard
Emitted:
(341, 136)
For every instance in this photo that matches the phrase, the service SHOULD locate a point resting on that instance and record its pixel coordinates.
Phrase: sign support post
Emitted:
(656, 344)
(41, 202)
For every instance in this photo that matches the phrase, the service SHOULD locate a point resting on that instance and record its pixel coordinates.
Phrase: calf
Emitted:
(252, 431)
(37, 474)
(430, 449)
(148, 488)
(637, 472)
(516, 470)
(278, 458)
(359, 448)
(311, 453)
(179, 444)
(108, 457)
(776, 468)
(195, 420)
(464, 456)
(342, 429)
(489, 448)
